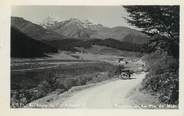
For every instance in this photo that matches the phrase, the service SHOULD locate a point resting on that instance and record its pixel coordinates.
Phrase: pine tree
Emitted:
(159, 22)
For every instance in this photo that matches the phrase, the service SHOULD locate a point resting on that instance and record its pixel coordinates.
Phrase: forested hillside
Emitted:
(24, 46)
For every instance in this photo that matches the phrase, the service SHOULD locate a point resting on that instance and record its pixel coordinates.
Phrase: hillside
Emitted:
(35, 31)
(104, 50)
(70, 44)
(135, 38)
(121, 33)
(24, 46)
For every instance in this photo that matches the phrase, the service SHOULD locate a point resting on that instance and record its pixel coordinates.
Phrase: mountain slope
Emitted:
(119, 33)
(24, 46)
(71, 44)
(33, 30)
(135, 38)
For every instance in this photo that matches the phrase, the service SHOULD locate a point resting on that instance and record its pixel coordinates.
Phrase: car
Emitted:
(125, 74)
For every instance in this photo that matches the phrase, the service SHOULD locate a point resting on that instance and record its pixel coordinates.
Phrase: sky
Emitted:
(110, 16)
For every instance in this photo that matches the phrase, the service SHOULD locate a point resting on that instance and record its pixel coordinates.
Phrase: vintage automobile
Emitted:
(125, 74)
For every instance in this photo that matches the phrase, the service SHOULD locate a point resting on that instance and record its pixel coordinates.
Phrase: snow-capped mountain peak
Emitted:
(49, 21)
(72, 27)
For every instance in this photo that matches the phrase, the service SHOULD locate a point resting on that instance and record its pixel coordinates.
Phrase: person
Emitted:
(129, 74)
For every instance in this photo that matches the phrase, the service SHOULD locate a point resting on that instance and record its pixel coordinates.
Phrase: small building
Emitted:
(122, 61)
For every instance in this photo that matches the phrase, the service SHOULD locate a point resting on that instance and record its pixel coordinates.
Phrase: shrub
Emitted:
(21, 97)
(162, 78)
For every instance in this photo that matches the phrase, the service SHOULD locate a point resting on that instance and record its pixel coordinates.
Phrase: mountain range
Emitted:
(72, 33)
(75, 28)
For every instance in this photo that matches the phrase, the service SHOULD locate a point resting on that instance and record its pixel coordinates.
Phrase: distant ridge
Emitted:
(35, 31)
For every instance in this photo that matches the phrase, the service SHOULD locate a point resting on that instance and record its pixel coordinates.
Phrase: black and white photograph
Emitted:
(94, 57)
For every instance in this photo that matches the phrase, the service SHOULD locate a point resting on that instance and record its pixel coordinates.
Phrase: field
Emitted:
(34, 78)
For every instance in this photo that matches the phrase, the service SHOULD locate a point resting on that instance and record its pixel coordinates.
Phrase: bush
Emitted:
(21, 97)
(162, 78)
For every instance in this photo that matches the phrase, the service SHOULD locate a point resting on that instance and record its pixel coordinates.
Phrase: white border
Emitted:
(5, 11)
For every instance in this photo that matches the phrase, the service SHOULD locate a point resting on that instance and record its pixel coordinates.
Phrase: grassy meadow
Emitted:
(29, 85)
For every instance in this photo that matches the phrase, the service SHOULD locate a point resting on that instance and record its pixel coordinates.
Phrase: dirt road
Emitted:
(113, 94)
